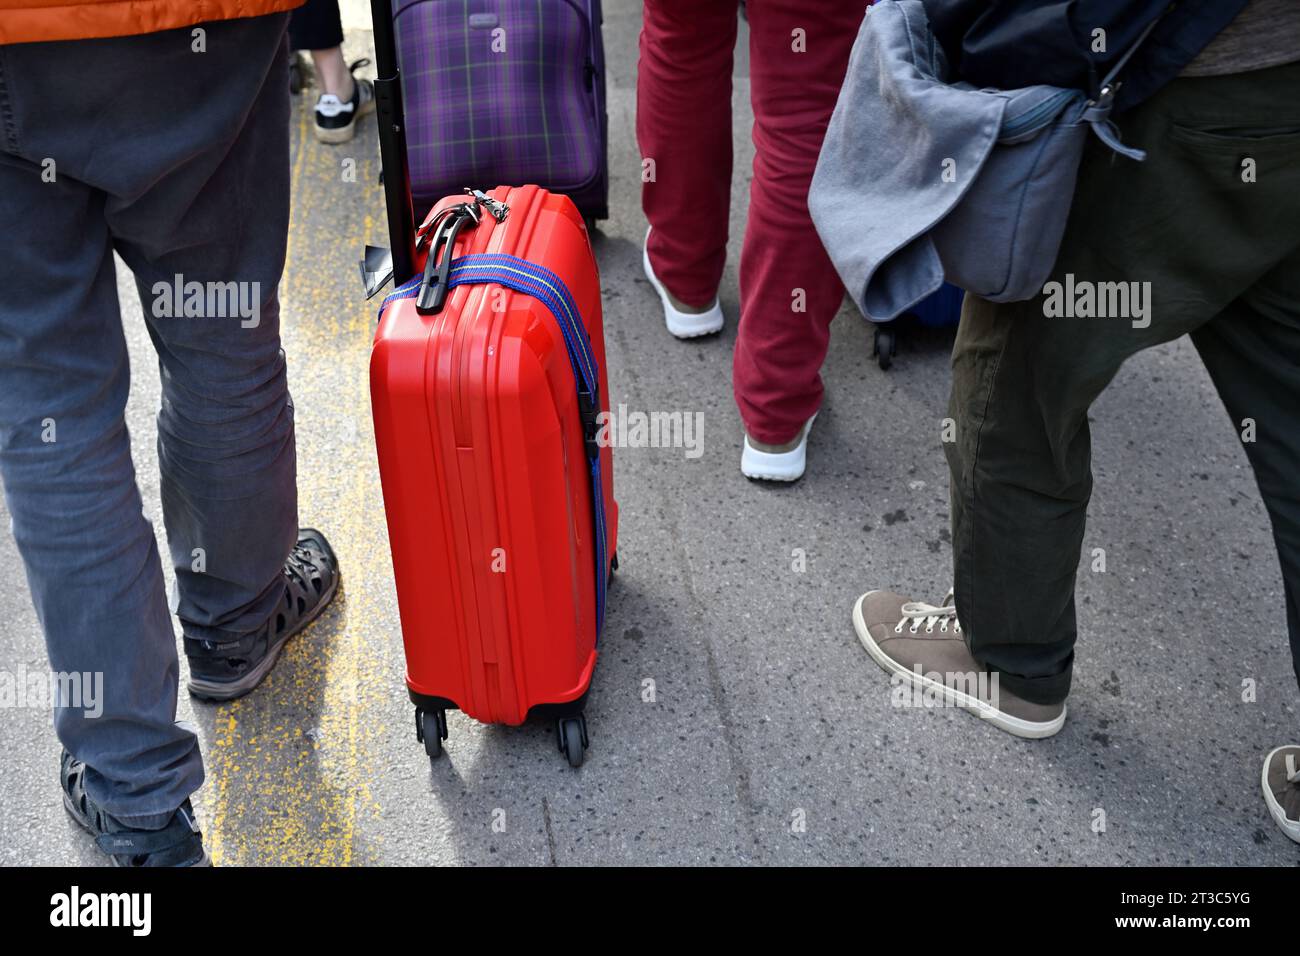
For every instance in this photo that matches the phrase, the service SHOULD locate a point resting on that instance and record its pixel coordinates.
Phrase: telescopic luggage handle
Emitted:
(399, 262)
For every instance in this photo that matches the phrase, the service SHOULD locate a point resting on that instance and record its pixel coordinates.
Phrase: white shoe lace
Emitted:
(919, 613)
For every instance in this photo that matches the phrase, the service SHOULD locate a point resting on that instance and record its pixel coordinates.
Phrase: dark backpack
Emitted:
(1010, 44)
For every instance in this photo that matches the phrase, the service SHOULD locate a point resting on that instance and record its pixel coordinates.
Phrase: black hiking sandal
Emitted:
(224, 670)
(179, 843)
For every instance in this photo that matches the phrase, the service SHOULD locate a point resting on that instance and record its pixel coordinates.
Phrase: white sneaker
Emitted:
(336, 121)
(777, 466)
(684, 325)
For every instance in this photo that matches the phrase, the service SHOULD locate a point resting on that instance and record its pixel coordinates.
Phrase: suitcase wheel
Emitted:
(885, 347)
(571, 734)
(431, 730)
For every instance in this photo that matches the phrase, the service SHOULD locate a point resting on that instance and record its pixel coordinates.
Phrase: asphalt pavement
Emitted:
(770, 737)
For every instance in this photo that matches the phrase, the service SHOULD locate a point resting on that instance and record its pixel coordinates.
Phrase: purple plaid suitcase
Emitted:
(504, 91)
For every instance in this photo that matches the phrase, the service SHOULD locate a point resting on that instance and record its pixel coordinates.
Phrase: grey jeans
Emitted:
(176, 159)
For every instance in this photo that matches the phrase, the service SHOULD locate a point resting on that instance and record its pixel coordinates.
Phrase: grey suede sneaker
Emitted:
(923, 649)
(1282, 789)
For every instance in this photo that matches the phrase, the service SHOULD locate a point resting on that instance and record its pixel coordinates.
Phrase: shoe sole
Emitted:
(764, 476)
(1017, 726)
(68, 805)
(221, 691)
(682, 329)
(1290, 827)
(336, 137)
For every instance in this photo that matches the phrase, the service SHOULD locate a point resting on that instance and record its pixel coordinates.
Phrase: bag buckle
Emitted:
(589, 411)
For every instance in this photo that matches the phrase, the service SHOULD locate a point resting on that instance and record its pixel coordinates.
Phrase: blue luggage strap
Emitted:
(549, 289)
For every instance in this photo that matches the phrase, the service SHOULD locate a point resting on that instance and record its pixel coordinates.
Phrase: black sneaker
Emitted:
(224, 670)
(336, 121)
(179, 843)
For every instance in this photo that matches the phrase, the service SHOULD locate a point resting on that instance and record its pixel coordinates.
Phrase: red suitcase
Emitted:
(500, 504)
(487, 379)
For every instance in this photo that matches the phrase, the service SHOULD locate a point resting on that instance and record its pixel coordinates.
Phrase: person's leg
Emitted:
(335, 76)
(789, 290)
(225, 427)
(206, 242)
(683, 130)
(1184, 223)
(90, 556)
(317, 27)
(1168, 244)
(1252, 351)
(178, 178)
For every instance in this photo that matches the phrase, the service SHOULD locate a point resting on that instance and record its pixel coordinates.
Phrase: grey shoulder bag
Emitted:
(921, 180)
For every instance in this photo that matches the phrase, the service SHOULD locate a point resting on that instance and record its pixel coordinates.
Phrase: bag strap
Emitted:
(549, 289)
(1111, 83)
(1098, 111)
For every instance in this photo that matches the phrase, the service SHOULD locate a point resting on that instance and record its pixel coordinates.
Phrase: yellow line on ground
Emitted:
(289, 766)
